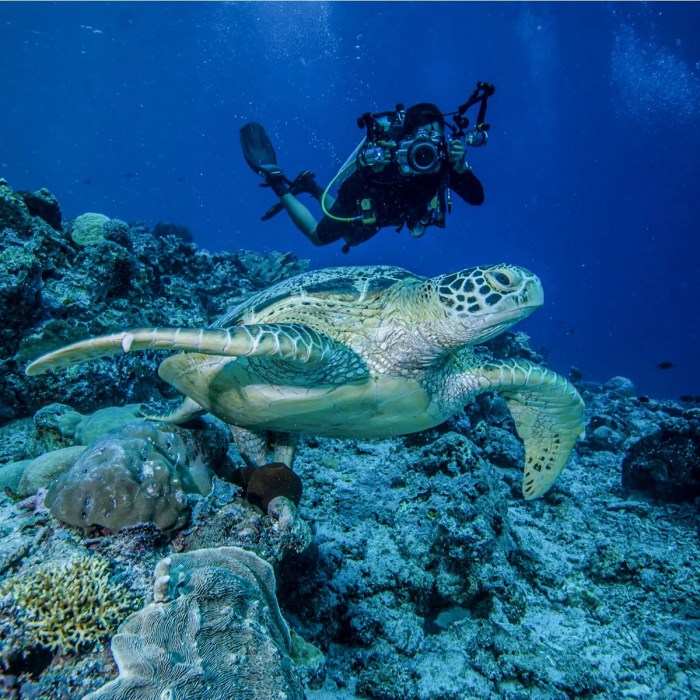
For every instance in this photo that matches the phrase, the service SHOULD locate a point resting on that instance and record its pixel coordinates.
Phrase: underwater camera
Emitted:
(423, 154)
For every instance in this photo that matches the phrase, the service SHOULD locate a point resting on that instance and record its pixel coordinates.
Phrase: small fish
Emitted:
(686, 398)
(87, 181)
(643, 399)
(665, 365)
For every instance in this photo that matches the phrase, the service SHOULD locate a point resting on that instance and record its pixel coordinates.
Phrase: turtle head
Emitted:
(481, 302)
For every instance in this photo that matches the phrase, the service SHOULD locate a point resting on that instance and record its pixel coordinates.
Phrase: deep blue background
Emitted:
(591, 172)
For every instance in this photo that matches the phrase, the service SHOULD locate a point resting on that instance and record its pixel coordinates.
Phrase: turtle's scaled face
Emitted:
(489, 299)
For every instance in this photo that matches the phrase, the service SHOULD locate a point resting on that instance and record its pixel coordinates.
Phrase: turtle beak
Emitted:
(534, 292)
(514, 308)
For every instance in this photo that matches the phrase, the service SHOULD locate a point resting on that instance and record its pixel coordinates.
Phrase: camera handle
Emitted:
(480, 96)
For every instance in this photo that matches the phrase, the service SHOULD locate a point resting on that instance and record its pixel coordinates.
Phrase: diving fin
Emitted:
(257, 147)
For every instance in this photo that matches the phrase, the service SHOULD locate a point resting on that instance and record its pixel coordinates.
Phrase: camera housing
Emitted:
(422, 154)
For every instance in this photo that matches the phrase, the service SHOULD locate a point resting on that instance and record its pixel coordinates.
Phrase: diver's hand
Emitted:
(458, 153)
(382, 162)
(376, 157)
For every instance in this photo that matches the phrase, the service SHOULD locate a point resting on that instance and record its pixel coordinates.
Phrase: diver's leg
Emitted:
(301, 217)
(306, 182)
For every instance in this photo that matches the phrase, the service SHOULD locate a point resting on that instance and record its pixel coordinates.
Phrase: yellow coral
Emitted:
(69, 606)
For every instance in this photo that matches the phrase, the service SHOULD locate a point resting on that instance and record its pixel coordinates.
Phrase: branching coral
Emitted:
(68, 606)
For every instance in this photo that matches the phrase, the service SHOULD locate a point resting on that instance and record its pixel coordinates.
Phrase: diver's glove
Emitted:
(274, 178)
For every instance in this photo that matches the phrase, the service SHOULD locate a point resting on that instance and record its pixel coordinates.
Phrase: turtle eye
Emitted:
(502, 278)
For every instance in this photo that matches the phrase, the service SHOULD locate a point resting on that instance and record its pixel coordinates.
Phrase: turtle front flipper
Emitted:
(548, 414)
(286, 341)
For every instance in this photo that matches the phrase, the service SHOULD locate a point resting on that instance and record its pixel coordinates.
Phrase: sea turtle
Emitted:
(360, 352)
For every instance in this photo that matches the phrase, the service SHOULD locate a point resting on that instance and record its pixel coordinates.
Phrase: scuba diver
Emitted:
(401, 174)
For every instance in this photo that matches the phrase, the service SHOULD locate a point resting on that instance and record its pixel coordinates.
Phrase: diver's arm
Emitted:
(467, 186)
(462, 179)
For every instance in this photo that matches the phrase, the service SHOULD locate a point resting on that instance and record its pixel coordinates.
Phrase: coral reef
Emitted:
(214, 631)
(411, 568)
(429, 578)
(32, 541)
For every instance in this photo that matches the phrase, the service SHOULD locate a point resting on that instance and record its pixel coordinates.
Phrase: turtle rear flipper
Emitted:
(548, 414)
(178, 411)
(253, 446)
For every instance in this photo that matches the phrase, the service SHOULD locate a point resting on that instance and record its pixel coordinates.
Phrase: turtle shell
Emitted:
(320, 288)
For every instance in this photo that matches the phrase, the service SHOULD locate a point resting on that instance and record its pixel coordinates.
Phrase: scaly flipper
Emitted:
(253, 446)
(177, 412)
(548, 414)
(284, 341)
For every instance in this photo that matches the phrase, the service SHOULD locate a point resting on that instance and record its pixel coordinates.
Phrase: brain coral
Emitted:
(67, 606)
(88, 228)
(215, 631)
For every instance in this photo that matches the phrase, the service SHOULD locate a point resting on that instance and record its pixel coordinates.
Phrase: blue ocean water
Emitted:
(591, 170)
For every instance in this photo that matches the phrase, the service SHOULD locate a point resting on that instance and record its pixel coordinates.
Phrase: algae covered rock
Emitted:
(44, 205)
(14, 213)
(11, 474)
(43, 470)
(55, 425)
(665, 465)
(104, 420)
(20, 294)
(215, 630)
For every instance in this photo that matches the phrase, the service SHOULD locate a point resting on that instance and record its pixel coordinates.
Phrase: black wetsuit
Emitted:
(395, 200)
